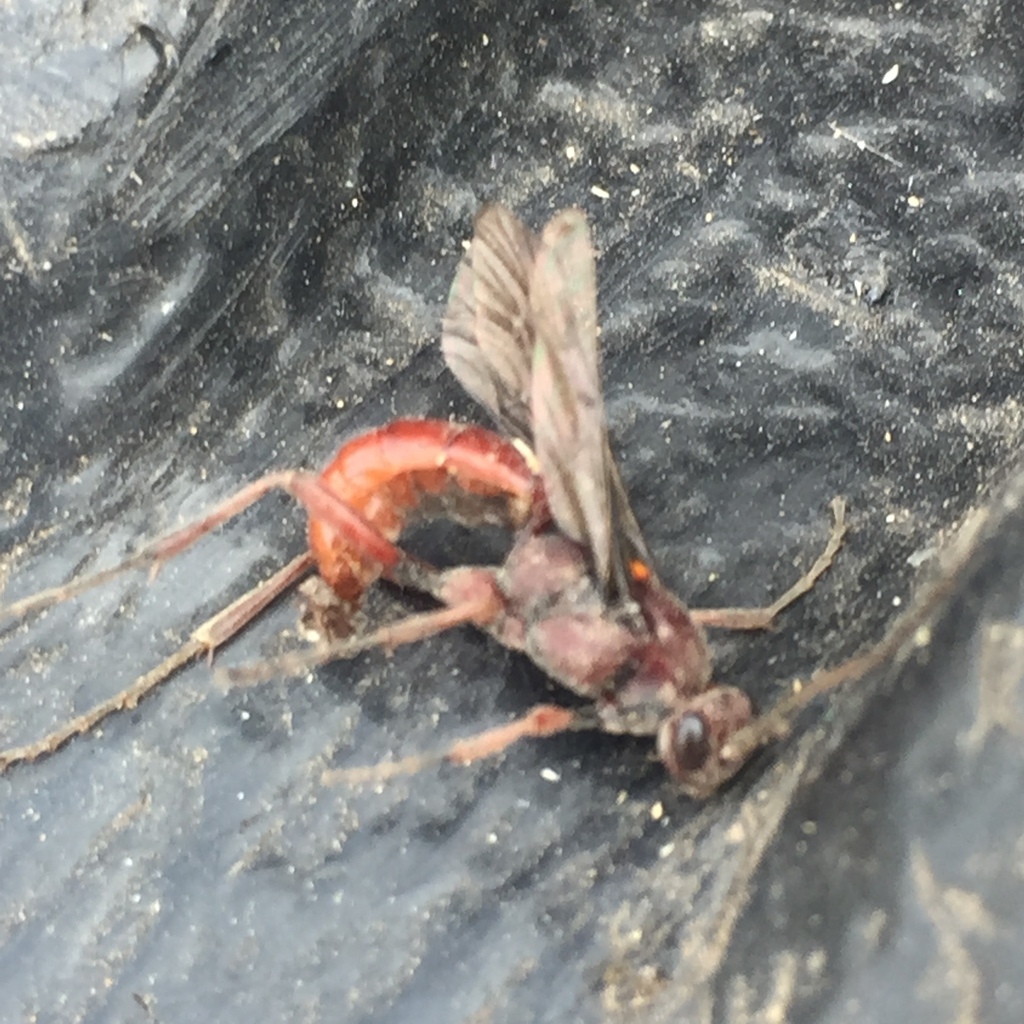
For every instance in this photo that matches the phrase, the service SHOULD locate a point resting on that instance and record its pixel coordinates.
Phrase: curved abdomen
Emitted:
(414, 469)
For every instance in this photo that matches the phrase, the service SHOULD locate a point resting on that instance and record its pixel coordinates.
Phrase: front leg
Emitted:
(762, 618)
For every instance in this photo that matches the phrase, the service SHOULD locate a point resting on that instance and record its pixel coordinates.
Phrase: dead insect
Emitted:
(582, 599)
(577, 593)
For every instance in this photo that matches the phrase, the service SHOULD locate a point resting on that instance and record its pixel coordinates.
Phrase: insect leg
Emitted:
(215, 631)
(762, 618)
(910, 631)
(475, 599)
(542, 720)
(307, 488)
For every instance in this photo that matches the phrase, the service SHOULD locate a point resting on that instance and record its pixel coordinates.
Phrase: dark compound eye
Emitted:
(691, 744)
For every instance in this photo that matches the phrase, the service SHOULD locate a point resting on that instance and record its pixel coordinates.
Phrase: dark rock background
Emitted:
(227, 239)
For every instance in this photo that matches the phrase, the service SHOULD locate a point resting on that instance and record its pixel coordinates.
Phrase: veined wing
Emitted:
(520, 334)
(487, 332)
(584, 488)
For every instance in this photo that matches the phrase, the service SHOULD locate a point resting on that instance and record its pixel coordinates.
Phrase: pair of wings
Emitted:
(520, 334)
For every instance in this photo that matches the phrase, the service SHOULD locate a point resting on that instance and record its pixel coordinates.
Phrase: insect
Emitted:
(582, 599)
(577, 593)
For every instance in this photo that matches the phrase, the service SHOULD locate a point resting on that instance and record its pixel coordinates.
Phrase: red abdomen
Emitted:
(412, 469)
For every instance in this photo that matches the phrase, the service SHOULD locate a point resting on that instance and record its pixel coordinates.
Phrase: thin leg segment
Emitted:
(542, 720)
(480, 608)
(307, 488)
(217, 630)
(762, 618)
(910, 628)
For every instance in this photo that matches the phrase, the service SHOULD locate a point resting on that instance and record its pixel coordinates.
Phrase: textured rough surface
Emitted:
(226, 244)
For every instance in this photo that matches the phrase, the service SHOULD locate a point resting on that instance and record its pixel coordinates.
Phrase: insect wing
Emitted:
(568, 409)
(520, 334)
(487, 333)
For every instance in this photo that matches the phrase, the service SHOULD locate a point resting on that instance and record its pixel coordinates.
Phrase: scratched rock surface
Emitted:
(227, 241)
